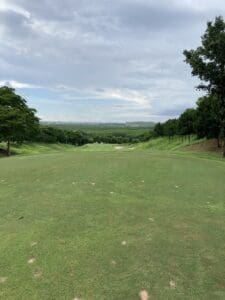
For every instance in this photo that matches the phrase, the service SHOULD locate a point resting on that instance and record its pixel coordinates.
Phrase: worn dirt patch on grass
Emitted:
(172, 284)
(31, 260)
(143, 295)
(187, 232)
(207, 145)
(3, 279)
(37, 274)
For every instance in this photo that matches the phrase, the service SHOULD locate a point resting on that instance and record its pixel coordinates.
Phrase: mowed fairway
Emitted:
(106, 225)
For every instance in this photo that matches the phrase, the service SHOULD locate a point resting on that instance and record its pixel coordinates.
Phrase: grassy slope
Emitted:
(35, 148)
(163, 143)
(79, 227)
(176, 145)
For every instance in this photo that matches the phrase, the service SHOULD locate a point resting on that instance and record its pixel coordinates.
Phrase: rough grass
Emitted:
(172, 144)
(107, 225)
(176, 144)
(37, 148)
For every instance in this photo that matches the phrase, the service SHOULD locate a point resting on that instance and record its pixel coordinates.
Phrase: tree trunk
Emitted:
(8, 148)
(224, 147)
(223, 139)
(218, 142)
(189, 138)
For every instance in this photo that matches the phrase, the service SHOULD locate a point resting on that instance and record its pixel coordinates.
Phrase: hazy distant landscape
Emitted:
(132, 128)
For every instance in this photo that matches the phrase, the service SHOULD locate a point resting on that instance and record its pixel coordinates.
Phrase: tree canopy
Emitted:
(17, 121)
(208, 63)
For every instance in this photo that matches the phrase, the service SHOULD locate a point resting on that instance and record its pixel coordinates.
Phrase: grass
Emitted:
(176, 145)
(72, 211)
(37, 148)
(164, 143)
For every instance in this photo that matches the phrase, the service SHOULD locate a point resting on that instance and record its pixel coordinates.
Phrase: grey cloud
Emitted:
(14, 24)
(131, 47)
(156, 16)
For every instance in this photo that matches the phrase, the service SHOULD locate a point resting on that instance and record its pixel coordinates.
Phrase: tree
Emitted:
(17, 121)
(208, 63)
(187, 122)
(48, 134)
(158, 130)
(78, 138)
(170, 127)
(207, 123)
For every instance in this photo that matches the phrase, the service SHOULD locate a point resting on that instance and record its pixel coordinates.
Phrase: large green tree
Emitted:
(170, 127)
(158, 129)
(17, 121)
(207, 122)
(187, 122)
(208, 63)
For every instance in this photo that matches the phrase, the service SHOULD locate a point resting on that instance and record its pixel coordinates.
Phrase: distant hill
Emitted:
(129, 128)
(101, 125)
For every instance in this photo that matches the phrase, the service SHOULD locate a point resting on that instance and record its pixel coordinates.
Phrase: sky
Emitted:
(103, 60)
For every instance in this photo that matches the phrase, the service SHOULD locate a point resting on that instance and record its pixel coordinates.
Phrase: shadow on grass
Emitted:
(3, 153)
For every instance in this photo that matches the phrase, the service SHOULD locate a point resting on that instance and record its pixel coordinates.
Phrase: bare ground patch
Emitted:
(33, 244)
(3, 279)
(37, 274)
(143, 295)
(207, 145)
(172, 284)
(31, 260)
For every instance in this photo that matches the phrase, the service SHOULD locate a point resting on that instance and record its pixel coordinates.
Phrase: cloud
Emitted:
(18, 85)
(7, 6)
(106, 60)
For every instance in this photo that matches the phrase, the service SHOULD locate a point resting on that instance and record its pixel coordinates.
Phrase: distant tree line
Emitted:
(50, 134)
(202, 122)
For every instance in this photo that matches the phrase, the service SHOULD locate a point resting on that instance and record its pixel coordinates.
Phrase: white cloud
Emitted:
(5, 5)
(17, 85)
(126, 95)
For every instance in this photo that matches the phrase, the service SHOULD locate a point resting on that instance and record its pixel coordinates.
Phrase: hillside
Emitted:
(175, 144)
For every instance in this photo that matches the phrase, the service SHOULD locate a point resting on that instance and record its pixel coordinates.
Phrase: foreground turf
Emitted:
(105, 225)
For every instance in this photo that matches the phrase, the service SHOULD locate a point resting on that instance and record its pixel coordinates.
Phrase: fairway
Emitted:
(106, 225)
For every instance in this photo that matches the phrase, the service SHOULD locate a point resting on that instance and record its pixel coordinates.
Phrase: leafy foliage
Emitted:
(17, 121)
(207, 123)
(49, 134)
(208, 63)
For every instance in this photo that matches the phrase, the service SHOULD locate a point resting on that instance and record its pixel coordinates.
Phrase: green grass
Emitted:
(175, 144)
(79, 206)
(37, 148)
(164, 143)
